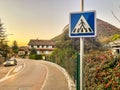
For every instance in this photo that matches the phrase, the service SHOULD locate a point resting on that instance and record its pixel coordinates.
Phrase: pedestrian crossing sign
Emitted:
(83, 24)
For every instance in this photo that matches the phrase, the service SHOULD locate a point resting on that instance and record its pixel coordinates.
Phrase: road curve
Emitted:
(37, 75)
(55, 79)
(31, 78)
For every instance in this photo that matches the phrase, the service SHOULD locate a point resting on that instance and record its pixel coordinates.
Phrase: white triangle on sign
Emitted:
(82, 26)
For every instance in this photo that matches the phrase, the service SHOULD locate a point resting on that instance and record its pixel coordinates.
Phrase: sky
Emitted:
(44, 19)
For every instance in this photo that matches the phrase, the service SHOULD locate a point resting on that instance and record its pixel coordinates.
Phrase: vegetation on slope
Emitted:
(102, 70)
(65, 55)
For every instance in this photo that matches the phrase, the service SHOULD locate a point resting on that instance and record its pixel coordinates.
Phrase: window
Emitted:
(117, 51)
(44, 47)
(38, 46)
(32, 46)
(49, 46)
(38, 52)
(47, 52)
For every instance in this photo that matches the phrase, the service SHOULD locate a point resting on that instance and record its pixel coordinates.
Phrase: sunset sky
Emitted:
(45, 19)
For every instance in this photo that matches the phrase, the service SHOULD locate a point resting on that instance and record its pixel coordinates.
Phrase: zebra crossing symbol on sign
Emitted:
(82, 24)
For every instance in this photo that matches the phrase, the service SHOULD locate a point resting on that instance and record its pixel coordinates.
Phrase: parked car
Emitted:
(10, 62)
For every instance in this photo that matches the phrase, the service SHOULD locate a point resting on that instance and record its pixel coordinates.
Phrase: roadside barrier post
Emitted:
(78, 72)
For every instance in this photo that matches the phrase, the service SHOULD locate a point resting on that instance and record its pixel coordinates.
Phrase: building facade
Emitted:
(115, 47)
(23, 50)
(42, 46)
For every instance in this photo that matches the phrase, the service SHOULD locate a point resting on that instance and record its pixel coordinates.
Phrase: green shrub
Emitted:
(38, 57)
(102, 71)
(35, 56)
(22, 56)
(32, 56)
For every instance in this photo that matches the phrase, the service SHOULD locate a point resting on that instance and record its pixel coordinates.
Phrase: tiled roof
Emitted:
(41, 42)
(24, 48)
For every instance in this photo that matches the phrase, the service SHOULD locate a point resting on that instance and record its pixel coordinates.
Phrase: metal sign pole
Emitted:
(81, 51)
(78, 72)
(82, 24)
(81, 62)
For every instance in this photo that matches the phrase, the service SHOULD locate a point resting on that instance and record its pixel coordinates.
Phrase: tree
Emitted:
(33, 51)
(65, 55)
(34, 55)
(115, 37)
(115, 16)
(4, 48)
(15, 47)
(2, 33)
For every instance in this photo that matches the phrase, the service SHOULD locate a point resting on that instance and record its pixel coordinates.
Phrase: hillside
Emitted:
(104, 29)
(104, 32)
(101, 68)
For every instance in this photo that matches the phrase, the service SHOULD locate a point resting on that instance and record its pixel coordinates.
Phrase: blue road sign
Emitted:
(83, 24)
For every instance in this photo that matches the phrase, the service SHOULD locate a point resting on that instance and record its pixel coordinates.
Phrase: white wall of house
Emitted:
(40, 47)
(38, 52)
(36, 46)
(115, 51)
(21, 53)
(44, 46)
(46, 52)
(50, 47)
(29, 47)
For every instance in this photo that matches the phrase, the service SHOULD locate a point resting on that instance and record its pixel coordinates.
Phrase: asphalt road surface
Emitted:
(36, 75)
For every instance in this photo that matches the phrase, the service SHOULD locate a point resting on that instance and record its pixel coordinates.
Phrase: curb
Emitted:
(71, 84)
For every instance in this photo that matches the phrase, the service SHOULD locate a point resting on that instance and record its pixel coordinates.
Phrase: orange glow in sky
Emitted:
(45, 19)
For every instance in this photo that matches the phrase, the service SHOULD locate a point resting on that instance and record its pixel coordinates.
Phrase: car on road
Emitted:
(10, 62)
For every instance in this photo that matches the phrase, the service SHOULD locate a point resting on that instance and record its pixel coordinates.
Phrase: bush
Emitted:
(22, 56)
(102, 71)
(35, 56)
(38, 57)
(65, 57)
(32, 56)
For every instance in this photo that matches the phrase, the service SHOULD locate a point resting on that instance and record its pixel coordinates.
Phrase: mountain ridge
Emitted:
(104, 30)
(104, 33)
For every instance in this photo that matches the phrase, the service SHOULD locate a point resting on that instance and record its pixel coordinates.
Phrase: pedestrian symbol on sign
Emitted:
(82, 26)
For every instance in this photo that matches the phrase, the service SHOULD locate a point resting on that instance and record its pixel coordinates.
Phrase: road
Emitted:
(37, 75)
(55, 79)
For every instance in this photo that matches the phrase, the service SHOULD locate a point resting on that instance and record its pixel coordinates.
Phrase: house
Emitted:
(23, 50)
(115, 47)
(42, 46)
